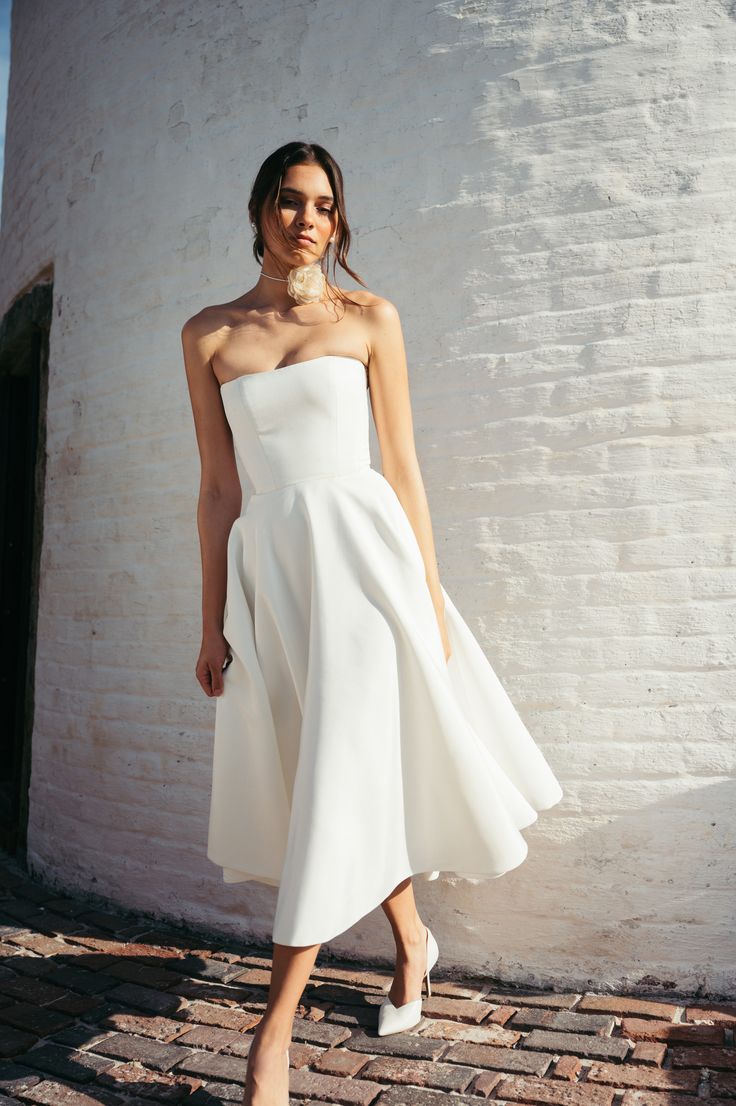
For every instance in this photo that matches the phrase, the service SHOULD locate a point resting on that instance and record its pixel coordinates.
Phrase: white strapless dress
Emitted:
(348, 754)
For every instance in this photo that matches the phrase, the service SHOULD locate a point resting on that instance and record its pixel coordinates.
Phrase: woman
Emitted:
(361, 735)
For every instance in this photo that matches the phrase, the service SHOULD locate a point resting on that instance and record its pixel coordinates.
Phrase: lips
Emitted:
(303, 239)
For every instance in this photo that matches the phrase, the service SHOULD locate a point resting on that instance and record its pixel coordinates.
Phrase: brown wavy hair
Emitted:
(266, 192)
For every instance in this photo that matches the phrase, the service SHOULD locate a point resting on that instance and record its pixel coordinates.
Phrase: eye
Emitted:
(322, 210)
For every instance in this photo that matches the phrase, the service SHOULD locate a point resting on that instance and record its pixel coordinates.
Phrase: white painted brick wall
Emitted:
(547, 194)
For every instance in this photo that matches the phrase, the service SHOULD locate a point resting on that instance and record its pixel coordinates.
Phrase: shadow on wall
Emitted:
(628, 922)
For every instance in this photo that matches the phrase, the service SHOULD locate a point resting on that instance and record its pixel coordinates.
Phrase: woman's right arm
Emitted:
(219, 492)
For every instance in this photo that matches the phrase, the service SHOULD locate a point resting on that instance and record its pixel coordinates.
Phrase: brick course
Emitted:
(132, 1047)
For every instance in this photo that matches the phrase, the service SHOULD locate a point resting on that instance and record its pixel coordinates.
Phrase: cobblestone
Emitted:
(105, 1008)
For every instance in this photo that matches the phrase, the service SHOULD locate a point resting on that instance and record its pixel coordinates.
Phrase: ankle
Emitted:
(409, 940)
(273, 1037)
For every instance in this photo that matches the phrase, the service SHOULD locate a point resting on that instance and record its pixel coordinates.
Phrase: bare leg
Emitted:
(410, 935)
(267, 1075)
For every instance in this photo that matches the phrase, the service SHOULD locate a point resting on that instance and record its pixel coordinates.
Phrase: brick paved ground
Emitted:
(105, 1008)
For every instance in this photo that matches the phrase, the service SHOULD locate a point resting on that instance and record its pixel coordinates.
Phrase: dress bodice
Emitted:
(304, 420)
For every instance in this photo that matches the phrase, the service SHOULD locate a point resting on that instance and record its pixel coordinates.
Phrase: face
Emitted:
(308, 215)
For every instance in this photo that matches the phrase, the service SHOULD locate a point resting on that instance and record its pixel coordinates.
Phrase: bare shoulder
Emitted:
(202, 337)
(385, 318)
(381, 326)
(380, 320)
(206, 324)
(377, 306)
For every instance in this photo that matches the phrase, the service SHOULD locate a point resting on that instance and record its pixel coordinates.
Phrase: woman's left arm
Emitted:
(391, 406)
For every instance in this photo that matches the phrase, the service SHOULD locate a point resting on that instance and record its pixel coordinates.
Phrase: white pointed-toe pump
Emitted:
(394, 1019)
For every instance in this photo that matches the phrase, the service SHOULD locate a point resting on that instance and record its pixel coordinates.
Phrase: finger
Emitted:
(216, 681)
(202, 672)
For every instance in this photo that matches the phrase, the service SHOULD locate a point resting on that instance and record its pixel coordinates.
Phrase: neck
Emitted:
(272, 293)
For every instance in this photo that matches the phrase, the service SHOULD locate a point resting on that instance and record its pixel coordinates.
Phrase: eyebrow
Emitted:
(299, 192)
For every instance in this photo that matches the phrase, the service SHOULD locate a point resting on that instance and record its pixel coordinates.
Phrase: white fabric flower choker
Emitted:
(305, 283)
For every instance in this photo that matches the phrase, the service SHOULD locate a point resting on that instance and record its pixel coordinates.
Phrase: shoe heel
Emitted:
(432, 957)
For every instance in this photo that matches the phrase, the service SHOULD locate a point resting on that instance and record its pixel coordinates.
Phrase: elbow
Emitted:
(223, 495)
(402, 471)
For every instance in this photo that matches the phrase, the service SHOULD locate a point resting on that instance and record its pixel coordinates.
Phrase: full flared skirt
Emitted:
(348, 753)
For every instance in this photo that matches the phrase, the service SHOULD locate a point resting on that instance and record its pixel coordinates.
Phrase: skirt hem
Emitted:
(234, 875)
